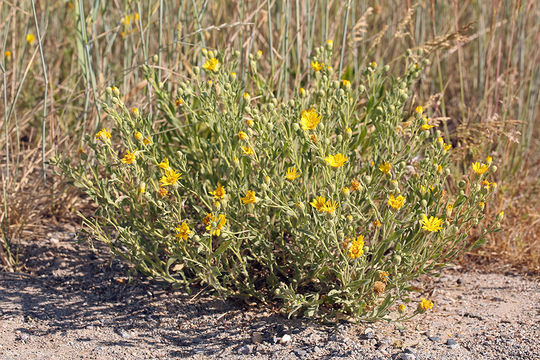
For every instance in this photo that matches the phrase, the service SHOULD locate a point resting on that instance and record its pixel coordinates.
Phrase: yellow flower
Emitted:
(355, 185)
(30, 38)
(207, 220)
(318, 203)
(211, 65)
(346, 191)
(481, 205)
(346, 83)
(445, 146)
(103, 134)
(357, 248)
(221, 221)
(402, 308)
(135, 111)
(419, 110)
(449, 209)
(337, 160)
(309, 119)
(426, 125)
(248, 151)
(329, 42)
(377, 223)
(250, 122)
(479, 168)
(179, 101)
(164, 164)
(329, 206)
(219, 192)
(373, 64)
(425, 305)
(170, 177)
(137, 135)
(383, 275)
(489, 160)
(142, 188)
(291, 173)
(183, 231)
(302, 91)
(7, 54)
(249, 198)
(130, 157)
(163, 192)
(385, 168)
(396, 202)
(242, 135)
(439, 169)
(147, 140)
(431, 224)
(317, 66)
(246, 96)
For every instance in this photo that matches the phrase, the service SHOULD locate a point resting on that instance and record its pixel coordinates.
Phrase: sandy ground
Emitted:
(72, 304)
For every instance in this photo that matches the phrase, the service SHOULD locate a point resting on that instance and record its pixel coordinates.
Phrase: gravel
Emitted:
(73, 304)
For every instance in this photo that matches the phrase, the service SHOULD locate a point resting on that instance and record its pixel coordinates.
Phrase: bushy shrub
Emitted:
(329, 203)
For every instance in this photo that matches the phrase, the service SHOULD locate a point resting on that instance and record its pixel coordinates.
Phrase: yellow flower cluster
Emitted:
(322, 205)
(220, 223)
(357, 248)
(432, 224)
(309, 119)
(337, 160)
(396, 202)
(183, 231)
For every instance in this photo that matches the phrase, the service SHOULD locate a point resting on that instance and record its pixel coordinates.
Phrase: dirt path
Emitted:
(74, 305)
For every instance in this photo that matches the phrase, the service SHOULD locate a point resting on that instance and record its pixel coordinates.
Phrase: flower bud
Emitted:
(296, 126)
(493, 169)
(196, 70)
(108, 90)
(348, 133)
(339, 138)
(155, 58)
(116, 92)
(346, 191)
(461, 184)
(368, 179)
(329, 44)
(424, 203)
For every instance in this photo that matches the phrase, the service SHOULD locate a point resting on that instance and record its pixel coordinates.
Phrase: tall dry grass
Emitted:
(484, 73)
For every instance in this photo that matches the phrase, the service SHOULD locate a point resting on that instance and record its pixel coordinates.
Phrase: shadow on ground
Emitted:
(70, 288)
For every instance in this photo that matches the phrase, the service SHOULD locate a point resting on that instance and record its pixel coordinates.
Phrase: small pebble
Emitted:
(300, 352)
(409, 350)
(244, 350)
(405, 356)
(452, 344)
(434, 338)
(123, 333)
(256, 337)
(285, 339)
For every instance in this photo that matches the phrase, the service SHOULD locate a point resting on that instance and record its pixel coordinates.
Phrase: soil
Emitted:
(72, 302)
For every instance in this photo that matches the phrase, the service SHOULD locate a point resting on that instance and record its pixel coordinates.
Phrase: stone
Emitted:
(285, 339)
(256, 337)
(300, 353)
(434, 338)
(244, 350)
(452, 344)
(405, 356)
